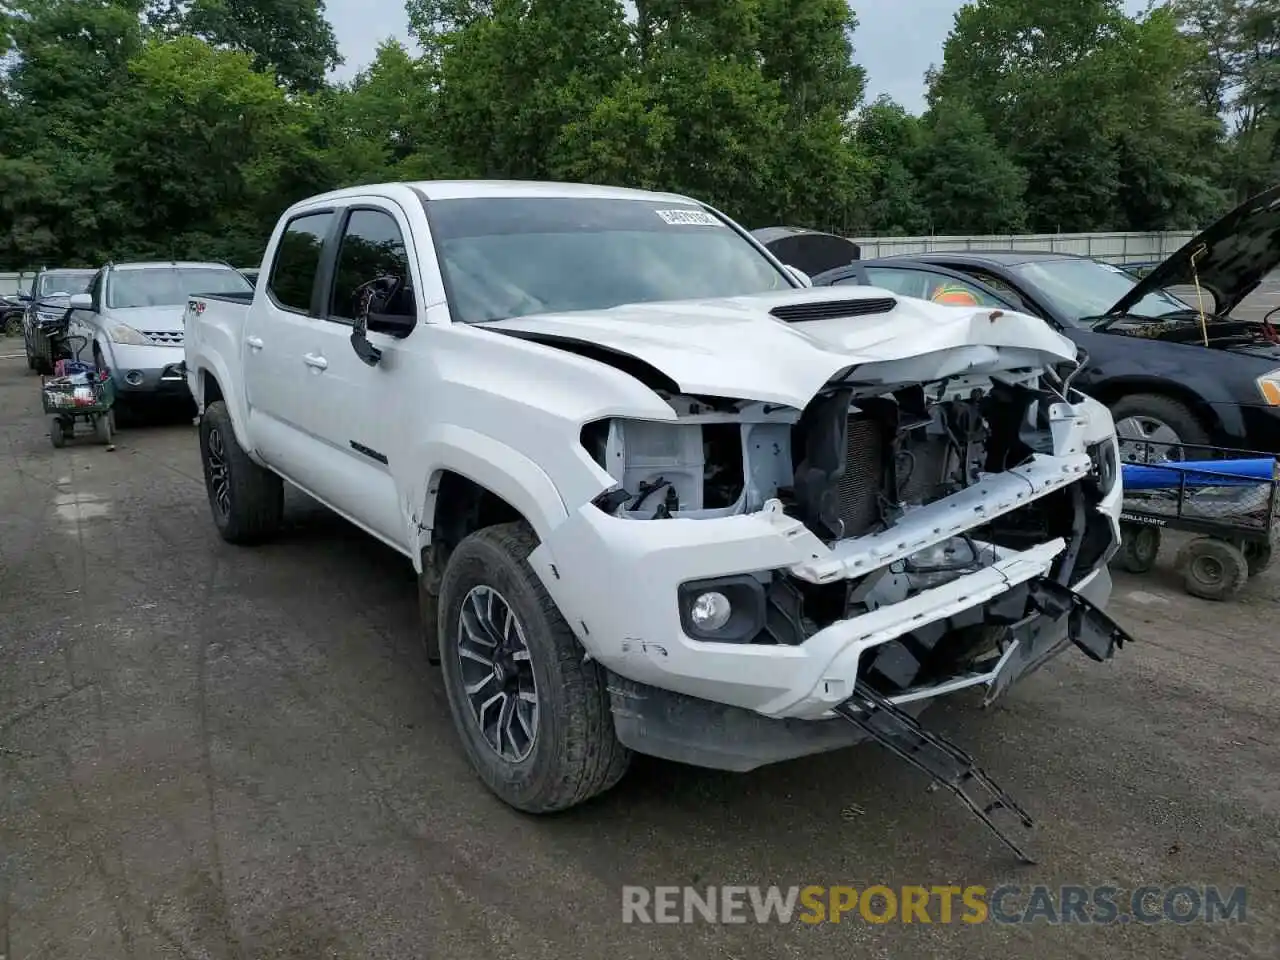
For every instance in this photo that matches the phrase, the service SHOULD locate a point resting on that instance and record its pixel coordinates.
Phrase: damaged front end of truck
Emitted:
(921, 525)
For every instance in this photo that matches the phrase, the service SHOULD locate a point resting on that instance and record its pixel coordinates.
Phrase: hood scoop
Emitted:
(833, 309)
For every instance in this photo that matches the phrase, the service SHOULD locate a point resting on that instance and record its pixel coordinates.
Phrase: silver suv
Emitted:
(132, 314)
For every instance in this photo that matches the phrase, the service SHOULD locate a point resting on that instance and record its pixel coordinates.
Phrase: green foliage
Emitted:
(966, 182)
(134, 128)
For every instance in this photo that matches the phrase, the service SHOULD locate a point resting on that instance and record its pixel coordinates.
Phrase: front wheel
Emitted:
(102, 428)
(247, 500)
(532, 713)
(58, 433)
(1139, 546)
(1151, 427)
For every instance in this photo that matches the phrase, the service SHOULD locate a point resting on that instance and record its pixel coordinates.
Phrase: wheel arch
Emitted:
(474, 481)
(1111, 391)
(209, 388)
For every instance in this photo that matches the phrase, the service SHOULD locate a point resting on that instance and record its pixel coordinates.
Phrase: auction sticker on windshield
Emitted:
(688, 218)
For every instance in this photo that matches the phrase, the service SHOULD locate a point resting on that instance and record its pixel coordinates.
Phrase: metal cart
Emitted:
(1205, 491)
(79, 392)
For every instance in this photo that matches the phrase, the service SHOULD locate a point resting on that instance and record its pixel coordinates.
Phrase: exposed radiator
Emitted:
(860, 487)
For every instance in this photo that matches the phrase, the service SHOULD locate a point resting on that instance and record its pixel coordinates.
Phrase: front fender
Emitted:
(483, 460)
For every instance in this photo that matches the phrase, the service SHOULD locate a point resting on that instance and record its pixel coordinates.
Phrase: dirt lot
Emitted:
(208, 752)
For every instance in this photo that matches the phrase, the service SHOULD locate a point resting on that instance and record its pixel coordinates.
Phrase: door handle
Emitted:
(311, 360)
(255, 343)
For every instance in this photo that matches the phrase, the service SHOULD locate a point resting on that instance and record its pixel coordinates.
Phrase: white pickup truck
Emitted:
(662, 495)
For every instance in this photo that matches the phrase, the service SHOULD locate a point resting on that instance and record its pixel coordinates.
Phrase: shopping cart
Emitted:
(78, 392)
(1225, 497)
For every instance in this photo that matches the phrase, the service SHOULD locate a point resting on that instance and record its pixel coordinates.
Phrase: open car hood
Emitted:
(1231, 257)
(737, 348)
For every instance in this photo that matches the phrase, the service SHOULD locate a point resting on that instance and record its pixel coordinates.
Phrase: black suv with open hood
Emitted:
(1169, 372)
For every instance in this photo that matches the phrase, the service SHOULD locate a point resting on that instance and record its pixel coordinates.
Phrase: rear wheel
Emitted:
(1152, 427)
(247, 500)
(1213, 569)
(57, 432)
(532, 712)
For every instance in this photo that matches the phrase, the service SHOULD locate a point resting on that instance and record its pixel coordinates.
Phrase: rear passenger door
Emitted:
(280, 332)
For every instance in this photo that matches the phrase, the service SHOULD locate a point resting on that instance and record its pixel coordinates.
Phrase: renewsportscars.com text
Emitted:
(1008, 904)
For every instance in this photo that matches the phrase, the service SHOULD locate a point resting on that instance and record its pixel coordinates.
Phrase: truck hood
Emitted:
(736, 348)
(164, 319)
(1230, 258)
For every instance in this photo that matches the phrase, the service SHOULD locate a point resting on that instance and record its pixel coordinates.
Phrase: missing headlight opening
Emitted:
(853, 463)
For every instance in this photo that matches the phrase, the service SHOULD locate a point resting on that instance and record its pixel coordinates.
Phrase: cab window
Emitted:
(293, 272)
(372, 248)
(927, 285)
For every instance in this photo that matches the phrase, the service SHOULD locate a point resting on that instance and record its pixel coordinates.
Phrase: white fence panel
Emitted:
(1112, 247)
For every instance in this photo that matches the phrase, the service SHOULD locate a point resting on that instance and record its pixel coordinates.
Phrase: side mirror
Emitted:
(81, 301)
(804, 278)
(25, 297)
(383, 306)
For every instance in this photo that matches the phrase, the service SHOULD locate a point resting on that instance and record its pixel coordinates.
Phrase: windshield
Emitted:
(48, 284)
(506, 257)
(170, 286)
(1082, 289)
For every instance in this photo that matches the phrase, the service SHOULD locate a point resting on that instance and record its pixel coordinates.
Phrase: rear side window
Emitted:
(293, 273)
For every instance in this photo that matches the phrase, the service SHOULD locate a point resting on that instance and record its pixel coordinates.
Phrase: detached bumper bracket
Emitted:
(1095, 633)
(946, 764)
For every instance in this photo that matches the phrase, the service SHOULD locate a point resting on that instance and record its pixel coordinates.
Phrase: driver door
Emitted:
(354, 408)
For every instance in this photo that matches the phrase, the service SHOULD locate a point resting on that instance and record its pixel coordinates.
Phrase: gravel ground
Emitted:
(208, 752)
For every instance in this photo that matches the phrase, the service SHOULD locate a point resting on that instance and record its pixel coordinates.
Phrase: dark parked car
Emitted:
(1166, 376)
(47, 305)
(12, 307)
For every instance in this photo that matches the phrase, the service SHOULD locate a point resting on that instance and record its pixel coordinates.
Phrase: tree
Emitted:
(1080, 94)
(71, 61)
(289, 38)
(967, 184)
(891, 140)
(204, 151)
(1237, 75)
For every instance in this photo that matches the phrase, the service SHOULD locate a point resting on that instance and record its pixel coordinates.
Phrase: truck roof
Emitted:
(153, 264)
(466, 189)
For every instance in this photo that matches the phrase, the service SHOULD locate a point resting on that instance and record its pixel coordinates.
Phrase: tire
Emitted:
(1139, 546)
(102, 428)
(57, 432)
(1213, 569)
(1172, 413)
(247, 501)
(1257, 555)
(574, 754)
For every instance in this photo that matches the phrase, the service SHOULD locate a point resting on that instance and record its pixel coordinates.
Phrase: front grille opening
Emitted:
(796, 610)
(833, 309)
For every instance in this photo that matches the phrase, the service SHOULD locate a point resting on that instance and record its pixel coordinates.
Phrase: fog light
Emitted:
(133, 377)
(710, 611)
(722, 609)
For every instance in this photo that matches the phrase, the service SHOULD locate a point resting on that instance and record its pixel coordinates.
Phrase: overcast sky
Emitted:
(896, 40)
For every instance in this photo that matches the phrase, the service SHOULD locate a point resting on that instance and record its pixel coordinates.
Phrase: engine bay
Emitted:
(849, 464)
(853, 464)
